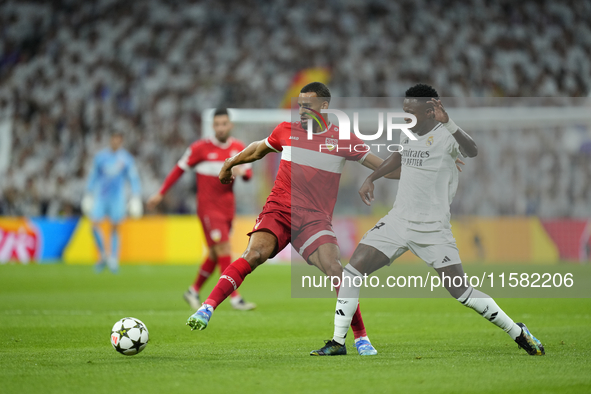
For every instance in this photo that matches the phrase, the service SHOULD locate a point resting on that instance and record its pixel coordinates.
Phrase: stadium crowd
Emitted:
(71, 71)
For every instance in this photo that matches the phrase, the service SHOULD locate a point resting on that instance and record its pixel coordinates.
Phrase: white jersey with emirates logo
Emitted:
(429, 177)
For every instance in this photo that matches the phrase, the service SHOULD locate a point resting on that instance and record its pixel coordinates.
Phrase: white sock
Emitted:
(193, 291)
(362, 339)
(488, 308)
(207, 307)
(347, 302)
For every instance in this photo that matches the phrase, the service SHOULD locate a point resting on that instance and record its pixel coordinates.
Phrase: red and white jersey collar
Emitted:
(223, 145)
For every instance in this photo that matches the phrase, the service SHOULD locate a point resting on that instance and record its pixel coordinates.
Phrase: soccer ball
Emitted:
(129, 336)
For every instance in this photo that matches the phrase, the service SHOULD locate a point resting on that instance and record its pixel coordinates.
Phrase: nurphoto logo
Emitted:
(345, 130)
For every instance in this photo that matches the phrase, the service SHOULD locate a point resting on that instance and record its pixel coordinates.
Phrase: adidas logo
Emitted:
(340, 312)
(445, 260)
(342, 301)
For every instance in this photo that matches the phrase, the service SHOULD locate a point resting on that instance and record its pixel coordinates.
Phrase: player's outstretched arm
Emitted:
(467, 145)
(170, 180)
(391, 164)
(253, 152)
(373, 162)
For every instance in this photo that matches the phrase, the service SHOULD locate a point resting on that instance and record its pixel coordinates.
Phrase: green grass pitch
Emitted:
(55, 322)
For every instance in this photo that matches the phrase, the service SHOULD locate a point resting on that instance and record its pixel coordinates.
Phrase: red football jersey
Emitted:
(310, 169)
(206, 157)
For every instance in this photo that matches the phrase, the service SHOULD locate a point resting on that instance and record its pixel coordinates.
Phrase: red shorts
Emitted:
(217, 229)
(306, 230)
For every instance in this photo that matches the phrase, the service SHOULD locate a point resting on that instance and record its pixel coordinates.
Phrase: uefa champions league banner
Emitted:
(26, 240)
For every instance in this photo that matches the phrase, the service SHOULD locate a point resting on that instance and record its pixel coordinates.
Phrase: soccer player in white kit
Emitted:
(419, 220)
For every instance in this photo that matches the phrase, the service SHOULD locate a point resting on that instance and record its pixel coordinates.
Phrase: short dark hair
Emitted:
(422, 90)
(319, 88)
(221, 111)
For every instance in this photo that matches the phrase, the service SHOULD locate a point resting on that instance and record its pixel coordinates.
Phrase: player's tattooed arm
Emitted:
(467, 145)
(253, 152)
(391, 164)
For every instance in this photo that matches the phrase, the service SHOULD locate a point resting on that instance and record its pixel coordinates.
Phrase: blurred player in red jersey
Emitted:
(215, 201)
(300, 206)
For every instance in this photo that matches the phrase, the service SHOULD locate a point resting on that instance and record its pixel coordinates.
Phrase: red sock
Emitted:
(206, 269)
(225, 262)
(230, 280)
(357, 324)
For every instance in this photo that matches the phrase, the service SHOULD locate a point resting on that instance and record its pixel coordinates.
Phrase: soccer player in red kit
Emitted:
(215, 201)
(300, 206)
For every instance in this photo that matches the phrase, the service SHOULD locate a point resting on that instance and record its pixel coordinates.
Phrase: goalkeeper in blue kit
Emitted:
(106, 196)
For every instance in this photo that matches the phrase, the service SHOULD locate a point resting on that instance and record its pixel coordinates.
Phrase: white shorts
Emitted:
(432, 242)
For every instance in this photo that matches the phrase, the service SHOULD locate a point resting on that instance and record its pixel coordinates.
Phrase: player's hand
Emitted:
(438, 110)
(458, 162)
(154, 201)
(226, 175)
(366, 192)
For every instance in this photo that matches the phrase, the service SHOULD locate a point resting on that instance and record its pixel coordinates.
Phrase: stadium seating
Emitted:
(67, 73)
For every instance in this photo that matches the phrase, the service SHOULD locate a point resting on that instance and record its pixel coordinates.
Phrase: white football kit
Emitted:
(419, 220)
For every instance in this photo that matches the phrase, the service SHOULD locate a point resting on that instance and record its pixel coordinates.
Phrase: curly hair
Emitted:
(422, 90)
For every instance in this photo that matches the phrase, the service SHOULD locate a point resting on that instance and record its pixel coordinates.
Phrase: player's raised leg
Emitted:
(488, 308)
(224, 252)
(365, 259)
(261, 246)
